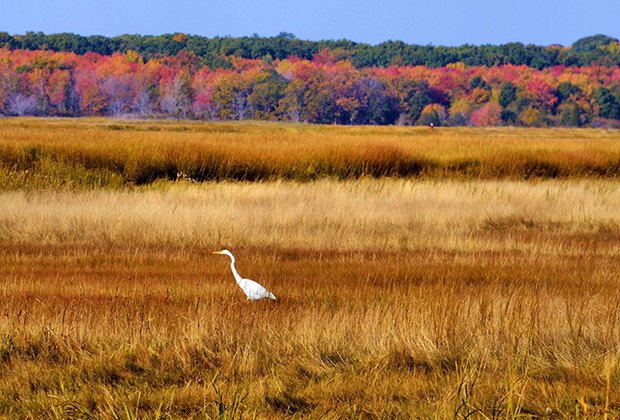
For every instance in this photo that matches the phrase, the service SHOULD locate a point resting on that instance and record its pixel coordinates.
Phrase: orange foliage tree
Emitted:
(326, 89)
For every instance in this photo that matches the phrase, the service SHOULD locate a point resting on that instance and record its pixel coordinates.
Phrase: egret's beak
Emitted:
(216, 252)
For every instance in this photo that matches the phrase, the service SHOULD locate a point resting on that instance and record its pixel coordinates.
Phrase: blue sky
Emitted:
(448, 22)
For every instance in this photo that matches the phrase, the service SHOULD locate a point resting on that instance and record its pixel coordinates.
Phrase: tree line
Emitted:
(215, 52)
(326, 89)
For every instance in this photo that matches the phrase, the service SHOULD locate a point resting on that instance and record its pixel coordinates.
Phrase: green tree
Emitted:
(571, 116)
(507, 94)
(266, 94)
(508, 117)
(478, 82)
(567, 91)
(591, 43)
(418, 96)
(609, 105)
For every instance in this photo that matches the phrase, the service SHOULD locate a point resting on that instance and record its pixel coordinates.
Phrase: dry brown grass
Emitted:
(369, 214)
(396, 298)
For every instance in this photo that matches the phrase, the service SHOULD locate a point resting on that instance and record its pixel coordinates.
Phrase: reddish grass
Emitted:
(425, 333)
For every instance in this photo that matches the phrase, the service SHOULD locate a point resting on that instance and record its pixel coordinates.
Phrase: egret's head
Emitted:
(224, 252)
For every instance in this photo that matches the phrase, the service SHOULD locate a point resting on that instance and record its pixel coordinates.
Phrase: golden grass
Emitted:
(388, 215)
(396, 298)
(417, 275)
(93, 153)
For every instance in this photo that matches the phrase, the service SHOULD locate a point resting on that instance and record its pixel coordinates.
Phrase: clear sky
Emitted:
(447, 22)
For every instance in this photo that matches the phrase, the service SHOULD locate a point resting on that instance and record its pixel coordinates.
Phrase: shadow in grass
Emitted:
(289, 404)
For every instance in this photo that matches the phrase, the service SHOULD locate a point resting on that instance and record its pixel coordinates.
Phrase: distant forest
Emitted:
(328, 82)
(600, 50)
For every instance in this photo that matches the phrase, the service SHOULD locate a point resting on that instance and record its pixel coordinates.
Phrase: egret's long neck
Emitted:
(234, 270)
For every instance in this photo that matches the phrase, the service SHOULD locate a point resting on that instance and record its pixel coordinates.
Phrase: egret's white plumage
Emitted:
(252, 290)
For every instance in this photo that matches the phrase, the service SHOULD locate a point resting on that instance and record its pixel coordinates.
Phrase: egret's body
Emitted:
(252, 289)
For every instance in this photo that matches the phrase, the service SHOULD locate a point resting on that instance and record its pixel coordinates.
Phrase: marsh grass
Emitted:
(388, 215)
(488, 299)
(93, 153)
(421, 333)
(420, 274)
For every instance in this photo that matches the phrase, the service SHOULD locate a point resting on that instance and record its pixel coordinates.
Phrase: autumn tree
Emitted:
(21, 104)
(292, 101)
(329, 89)
(434, 114)
(176, 95)
(120, 93)
(319, 100)
(230, 95)
(460, 111)
(488, 114)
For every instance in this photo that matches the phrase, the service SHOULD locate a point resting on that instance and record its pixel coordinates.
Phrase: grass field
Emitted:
(97, 153)
(437, 295)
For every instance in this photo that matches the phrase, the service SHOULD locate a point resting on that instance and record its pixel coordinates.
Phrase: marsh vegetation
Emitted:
(444, 293)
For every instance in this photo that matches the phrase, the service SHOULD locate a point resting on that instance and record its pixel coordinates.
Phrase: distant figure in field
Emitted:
(432, 126)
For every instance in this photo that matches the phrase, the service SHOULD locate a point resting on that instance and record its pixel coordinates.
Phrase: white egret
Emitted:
(252, 290)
